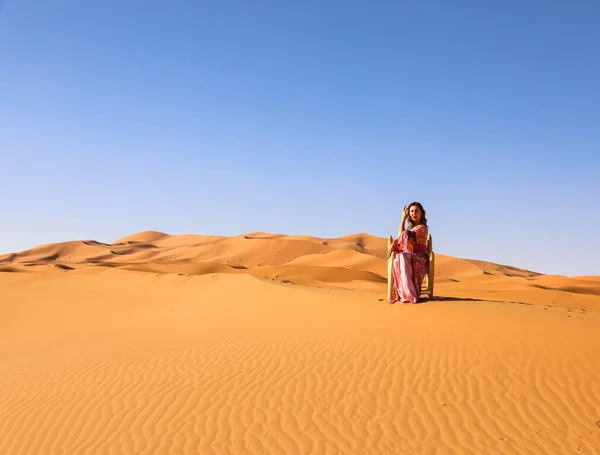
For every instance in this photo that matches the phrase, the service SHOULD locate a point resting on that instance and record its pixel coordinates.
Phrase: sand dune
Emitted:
(350, 261)
(271, 344)
(341, 258)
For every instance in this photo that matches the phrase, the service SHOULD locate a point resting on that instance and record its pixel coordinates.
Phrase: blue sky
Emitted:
(319, 118)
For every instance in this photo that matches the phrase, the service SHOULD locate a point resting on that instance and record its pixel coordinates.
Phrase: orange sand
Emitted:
(271, 344)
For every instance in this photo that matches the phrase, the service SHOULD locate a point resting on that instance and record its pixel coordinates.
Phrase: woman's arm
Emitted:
(403, 222)
(401, 228)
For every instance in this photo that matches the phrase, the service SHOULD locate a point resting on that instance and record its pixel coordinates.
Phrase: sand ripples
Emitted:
(300, 397)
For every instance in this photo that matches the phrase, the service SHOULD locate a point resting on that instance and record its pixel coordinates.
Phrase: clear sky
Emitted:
(304, 117)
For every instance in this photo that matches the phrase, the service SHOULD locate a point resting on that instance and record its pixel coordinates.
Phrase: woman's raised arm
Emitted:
(403, 222)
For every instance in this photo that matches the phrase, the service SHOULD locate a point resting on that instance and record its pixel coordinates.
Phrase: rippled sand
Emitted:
(270, 344)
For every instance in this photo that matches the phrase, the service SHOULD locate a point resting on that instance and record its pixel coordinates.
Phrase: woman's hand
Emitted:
(404, 213)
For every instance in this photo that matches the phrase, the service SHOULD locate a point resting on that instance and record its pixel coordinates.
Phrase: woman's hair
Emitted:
(423, 217)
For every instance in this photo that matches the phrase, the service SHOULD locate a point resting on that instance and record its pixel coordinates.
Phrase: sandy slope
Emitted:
(271, 344)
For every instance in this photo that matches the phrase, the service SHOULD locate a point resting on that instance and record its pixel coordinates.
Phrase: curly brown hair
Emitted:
(423, 217)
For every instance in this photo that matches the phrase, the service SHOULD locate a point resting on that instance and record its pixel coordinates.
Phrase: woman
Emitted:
(412, 261)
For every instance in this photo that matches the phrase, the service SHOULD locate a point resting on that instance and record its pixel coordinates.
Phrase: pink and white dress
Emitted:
(410, 265)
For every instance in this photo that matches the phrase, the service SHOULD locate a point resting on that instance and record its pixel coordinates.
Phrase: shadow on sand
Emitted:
(467, 299)
(442, 299)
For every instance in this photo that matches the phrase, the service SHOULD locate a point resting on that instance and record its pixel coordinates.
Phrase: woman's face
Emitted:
(415, 214)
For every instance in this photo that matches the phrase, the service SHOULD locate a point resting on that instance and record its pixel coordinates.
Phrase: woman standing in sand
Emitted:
(412, 261)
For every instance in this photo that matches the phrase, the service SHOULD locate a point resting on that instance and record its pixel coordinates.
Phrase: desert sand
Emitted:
(272, 344)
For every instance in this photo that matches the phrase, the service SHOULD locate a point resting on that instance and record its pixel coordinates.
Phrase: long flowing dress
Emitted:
(410, 265)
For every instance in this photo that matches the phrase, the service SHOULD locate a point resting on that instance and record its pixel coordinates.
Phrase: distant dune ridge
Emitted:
(274, 344)
(355, 261)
